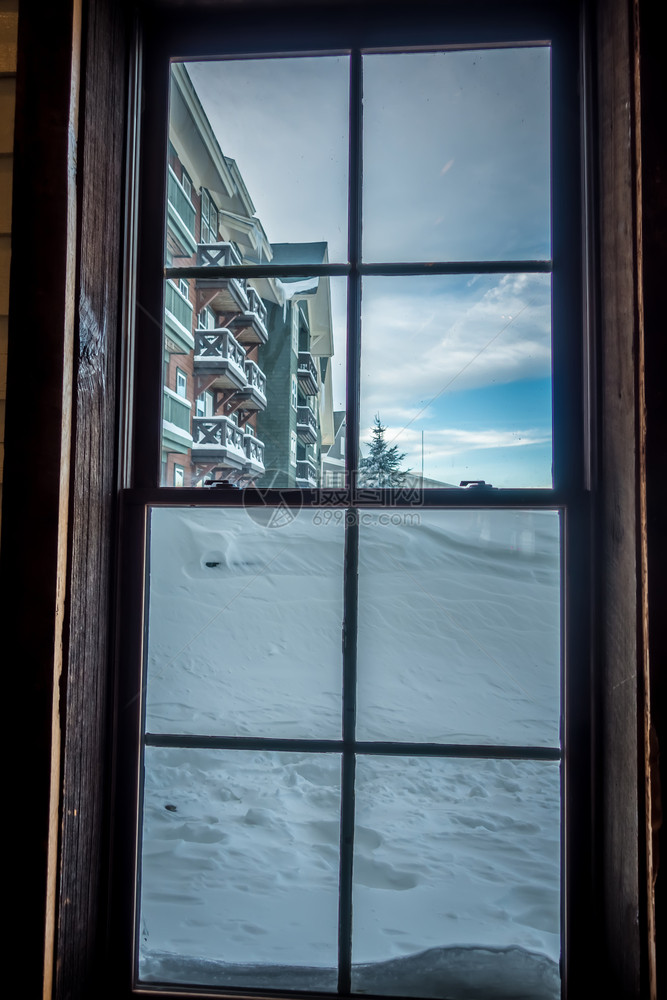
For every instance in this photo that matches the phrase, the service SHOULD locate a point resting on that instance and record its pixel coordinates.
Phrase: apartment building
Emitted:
(247, 382)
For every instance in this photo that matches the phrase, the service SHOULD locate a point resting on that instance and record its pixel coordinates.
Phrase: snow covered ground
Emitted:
(456, 864)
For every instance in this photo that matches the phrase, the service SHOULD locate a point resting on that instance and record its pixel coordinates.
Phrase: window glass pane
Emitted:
(456, 878)
(456, 155)
(245, 619)
(267, 140)
(270, 353)
(459, 627)
(239, 869)
(458, 370)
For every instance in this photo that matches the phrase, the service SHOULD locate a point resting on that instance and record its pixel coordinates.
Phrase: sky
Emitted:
(456, 167)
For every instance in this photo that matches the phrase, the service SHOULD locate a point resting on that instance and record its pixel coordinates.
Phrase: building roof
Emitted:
(300, 253)
(315, 290)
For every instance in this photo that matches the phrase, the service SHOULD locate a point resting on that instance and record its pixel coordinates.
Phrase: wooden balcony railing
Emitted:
(218, 352)
(176, 411)
(256, 377)
(254, 449)
(218, 439)
(306, 473)
(307, 373)
(182, 211)
(306, 423)
(178, 306)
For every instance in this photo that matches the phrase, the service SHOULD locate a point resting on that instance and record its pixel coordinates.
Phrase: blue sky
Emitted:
(456, 167)
(471, 358)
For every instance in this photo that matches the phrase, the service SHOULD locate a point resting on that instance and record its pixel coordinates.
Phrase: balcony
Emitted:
(254, 449)
(181, 214)
(230, 293)
(219, 440)
(306, 474)
(176, 413)
(306, 424)
(177, 321)
(250, 325)
(307, 373)
(254, 393)
(218, 353)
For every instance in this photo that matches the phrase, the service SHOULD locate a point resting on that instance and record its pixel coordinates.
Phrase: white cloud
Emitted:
(444, 442)
(420, 339)
(517, 457)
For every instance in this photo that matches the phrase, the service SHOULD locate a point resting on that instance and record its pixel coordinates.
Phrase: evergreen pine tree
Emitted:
(382, 467)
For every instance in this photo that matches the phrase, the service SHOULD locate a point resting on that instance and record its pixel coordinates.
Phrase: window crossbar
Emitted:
(465, 751)
(398, 268)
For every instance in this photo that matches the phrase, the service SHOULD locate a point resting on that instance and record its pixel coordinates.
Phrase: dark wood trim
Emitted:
(651, 192)
(59, 493)
(101, 163)
(619, 831)
(342, 270)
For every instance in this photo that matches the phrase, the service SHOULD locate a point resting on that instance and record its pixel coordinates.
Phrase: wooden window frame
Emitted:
(59, 613)
(568, 495)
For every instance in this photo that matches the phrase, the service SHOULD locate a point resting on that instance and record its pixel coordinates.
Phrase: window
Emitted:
(181, 383)
(206, 320)
(443, 714)
(203, 406)
(611, 939)
(209, 218)
(186, 184)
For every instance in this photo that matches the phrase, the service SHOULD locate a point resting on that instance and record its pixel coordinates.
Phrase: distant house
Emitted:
(333, 463)
(298, 422)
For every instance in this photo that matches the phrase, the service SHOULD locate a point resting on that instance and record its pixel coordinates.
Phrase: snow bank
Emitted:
(457, 973)
(456, 870)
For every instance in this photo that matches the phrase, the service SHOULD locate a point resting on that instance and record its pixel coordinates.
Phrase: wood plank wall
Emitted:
(8, 32)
